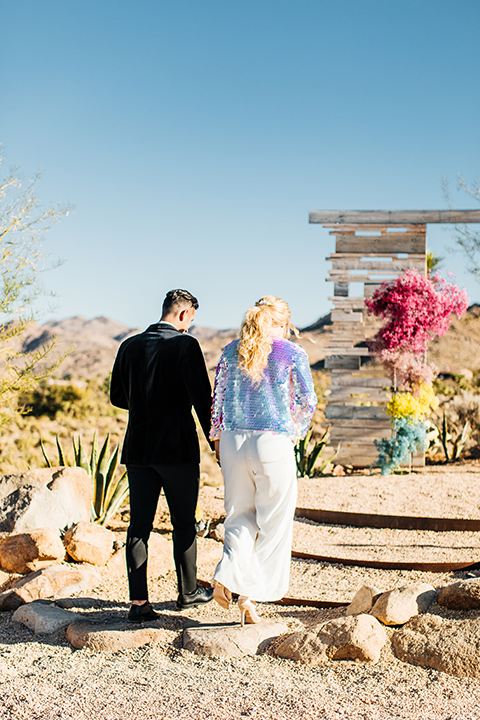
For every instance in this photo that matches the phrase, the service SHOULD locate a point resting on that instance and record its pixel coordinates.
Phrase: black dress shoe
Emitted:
(200, 596)
(142, 613)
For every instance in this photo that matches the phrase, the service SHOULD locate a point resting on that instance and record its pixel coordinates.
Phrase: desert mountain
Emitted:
(93, 343)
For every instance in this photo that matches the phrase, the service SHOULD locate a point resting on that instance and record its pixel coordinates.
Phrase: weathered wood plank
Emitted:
(380, 244)
(353, 303)
(350, 411)
(383, 426)
(342, 316)
(357, 395)
(359, 352)
(350, 438)
(394, 217)
(342, 361)
(376, 228)
(390, 266)
(371, 276)
(349, 381)
(390, 256)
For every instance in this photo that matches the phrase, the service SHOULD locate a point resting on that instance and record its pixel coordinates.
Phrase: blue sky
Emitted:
(193, 138)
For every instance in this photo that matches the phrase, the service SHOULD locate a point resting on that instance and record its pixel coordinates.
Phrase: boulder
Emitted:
(215, 638)
(218, 532)
(160, 555)
(451, 646)
(363, 600)
(397, 606)
(31, 551)
(462, 595)
(51, 582)
(5, 579)
(112, 635)
(89, 542)
(356, 637)
(117, 563)
(50, 497)
(43, 617)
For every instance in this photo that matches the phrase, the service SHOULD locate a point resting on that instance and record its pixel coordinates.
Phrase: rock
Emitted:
(117, 563)
(160, 555)
(338, 470)
(218, 533)
(216, 639)
(160, 558)
(31, 551)
(363, 600)
(5, 579)
(89, 542)
(451, 646)
(43, 617)
(52, 582)
(462, 595)
(112, 635)
(397, 606)
(356, 637)
(50, 497)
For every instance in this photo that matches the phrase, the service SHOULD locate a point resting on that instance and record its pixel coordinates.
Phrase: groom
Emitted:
(158, 375)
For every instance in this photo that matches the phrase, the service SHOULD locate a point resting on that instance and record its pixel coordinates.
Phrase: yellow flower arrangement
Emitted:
(416, 405)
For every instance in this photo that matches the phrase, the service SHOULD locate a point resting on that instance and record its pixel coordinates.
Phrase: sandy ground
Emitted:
(46, 678)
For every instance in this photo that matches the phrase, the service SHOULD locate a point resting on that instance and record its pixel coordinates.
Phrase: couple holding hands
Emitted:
(263, 401)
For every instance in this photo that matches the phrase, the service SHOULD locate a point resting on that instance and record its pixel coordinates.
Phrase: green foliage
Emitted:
(79, 399)
(434, 262)
(306, 456)
(48, 399)
(109, 492)
(22, 226)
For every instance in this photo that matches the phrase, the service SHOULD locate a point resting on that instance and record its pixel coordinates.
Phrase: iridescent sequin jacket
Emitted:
(283, 402)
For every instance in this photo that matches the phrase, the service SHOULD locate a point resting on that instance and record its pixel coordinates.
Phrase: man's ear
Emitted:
(181, 317)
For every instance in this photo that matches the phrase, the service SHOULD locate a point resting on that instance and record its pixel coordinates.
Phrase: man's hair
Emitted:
(175, 299)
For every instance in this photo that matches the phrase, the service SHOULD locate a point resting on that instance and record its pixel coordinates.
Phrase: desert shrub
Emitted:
(49, 398)
(76, 398)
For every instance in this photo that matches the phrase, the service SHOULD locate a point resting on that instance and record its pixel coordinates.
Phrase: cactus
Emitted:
(457, 443)
(108, 492)
(306, 460)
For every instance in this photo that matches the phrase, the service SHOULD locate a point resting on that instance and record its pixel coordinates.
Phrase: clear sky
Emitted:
(192, 139)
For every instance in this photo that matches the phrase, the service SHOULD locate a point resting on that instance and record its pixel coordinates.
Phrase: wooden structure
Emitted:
(371, 246)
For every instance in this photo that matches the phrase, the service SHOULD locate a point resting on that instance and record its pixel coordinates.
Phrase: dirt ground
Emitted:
(44, 677)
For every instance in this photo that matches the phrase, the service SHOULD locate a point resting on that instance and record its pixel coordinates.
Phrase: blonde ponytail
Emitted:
(255, 334)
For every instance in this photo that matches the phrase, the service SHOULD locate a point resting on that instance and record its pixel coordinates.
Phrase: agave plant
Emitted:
(109, 492)
(456, 442)
(306, 458)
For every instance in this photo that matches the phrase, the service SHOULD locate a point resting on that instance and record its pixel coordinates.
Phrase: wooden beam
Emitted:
(394, 217)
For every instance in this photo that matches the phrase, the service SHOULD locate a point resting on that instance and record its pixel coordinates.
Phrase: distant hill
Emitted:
(94, 343)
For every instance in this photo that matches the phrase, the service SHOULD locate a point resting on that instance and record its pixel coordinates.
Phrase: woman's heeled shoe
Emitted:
(222, 595)
(248, 614)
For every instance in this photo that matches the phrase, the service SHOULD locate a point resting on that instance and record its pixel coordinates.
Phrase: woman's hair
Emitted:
(255, 334)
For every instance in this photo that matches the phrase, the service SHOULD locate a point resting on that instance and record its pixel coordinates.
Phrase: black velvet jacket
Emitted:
(158, 376)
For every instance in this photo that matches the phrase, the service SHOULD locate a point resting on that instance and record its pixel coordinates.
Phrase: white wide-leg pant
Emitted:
(260, 496)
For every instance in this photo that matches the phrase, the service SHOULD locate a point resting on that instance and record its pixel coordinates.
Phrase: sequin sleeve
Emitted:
(218, 399)
(303, 399)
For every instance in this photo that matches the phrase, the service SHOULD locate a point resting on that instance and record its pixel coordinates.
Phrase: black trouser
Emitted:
(180, 484)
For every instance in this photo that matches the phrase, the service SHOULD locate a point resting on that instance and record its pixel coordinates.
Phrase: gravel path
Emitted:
(44, 678)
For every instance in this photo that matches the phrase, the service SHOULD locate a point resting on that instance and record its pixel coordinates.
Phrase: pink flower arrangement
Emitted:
(416, 308)
(406, 370)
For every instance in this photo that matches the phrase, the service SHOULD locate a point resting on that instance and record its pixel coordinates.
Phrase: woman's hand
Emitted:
(217, 450)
